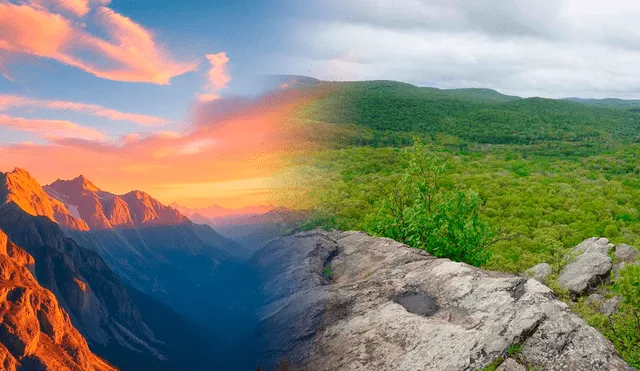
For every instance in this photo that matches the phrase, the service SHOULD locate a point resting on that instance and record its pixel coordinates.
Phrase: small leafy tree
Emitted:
(422, 213)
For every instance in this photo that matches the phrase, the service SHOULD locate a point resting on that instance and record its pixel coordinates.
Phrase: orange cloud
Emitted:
(8, 101)
(129, 53)
(232, 161)
(51, 129)
(217, 76)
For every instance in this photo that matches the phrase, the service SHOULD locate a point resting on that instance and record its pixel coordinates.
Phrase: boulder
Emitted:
(593, 245)
(510, 365)
(586, 272)
(626, 253)
(539, 272)
(610, 306)
(391, 307)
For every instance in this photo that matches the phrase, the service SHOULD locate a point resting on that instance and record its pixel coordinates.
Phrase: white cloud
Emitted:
(553, 48)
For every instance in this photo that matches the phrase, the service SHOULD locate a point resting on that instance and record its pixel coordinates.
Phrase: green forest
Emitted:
(510, 182)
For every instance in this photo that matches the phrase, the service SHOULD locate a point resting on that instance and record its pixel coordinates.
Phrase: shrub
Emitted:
(422, 213)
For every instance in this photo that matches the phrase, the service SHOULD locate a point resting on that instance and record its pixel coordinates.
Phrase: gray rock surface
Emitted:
(610, 306)
(539, 272)
(391, 307)
(626, 253)
(586, 272)
(593, 245)
(510, 365)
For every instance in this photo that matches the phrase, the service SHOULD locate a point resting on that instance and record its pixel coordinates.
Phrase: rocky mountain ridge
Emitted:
(105, 210)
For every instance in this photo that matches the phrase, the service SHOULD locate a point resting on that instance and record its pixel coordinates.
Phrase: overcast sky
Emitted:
(551, 48)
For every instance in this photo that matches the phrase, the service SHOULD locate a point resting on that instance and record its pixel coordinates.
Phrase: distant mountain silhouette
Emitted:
(217, 211)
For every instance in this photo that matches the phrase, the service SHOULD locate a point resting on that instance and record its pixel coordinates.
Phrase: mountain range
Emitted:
(104, 210)
(217, 211)
(118, 321)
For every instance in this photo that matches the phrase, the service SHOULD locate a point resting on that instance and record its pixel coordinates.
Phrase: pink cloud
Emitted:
(130, 138)
(51, 129)
(128, 53)
(217, 76)
(8, 101)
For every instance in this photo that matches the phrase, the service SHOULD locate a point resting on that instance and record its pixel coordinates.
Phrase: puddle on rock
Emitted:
(418, 303)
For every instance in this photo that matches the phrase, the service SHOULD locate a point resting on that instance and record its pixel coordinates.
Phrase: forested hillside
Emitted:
(549, 172)
(534, 176)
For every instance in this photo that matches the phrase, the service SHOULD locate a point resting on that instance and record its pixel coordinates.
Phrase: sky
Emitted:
(128, 92)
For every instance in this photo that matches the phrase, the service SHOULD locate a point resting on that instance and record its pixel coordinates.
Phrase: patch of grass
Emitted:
(514, 349)
(327, 271)
(512, 352)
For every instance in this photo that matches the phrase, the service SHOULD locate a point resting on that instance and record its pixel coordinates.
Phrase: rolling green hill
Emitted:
(475, 115)
(629, 105)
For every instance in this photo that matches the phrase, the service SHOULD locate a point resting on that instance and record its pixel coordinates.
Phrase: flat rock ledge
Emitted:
(348, 301)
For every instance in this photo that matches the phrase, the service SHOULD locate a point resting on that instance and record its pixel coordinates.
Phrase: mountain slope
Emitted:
(160, 252)
(216, 211)
(84, 285)
(19, 187)
(153, 247)
(35, 332)
(253, 230)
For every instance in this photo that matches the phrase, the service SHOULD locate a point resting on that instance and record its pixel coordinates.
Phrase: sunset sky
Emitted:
(130, 93)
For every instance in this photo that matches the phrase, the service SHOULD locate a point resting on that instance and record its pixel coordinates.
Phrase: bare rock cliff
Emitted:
(35, 332)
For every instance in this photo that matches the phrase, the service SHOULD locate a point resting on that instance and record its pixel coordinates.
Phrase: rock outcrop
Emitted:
(590, 265)
(347, 301)
(593, 245)
(625, 253)
(585, 273)
(35, 332)
(511, 365)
